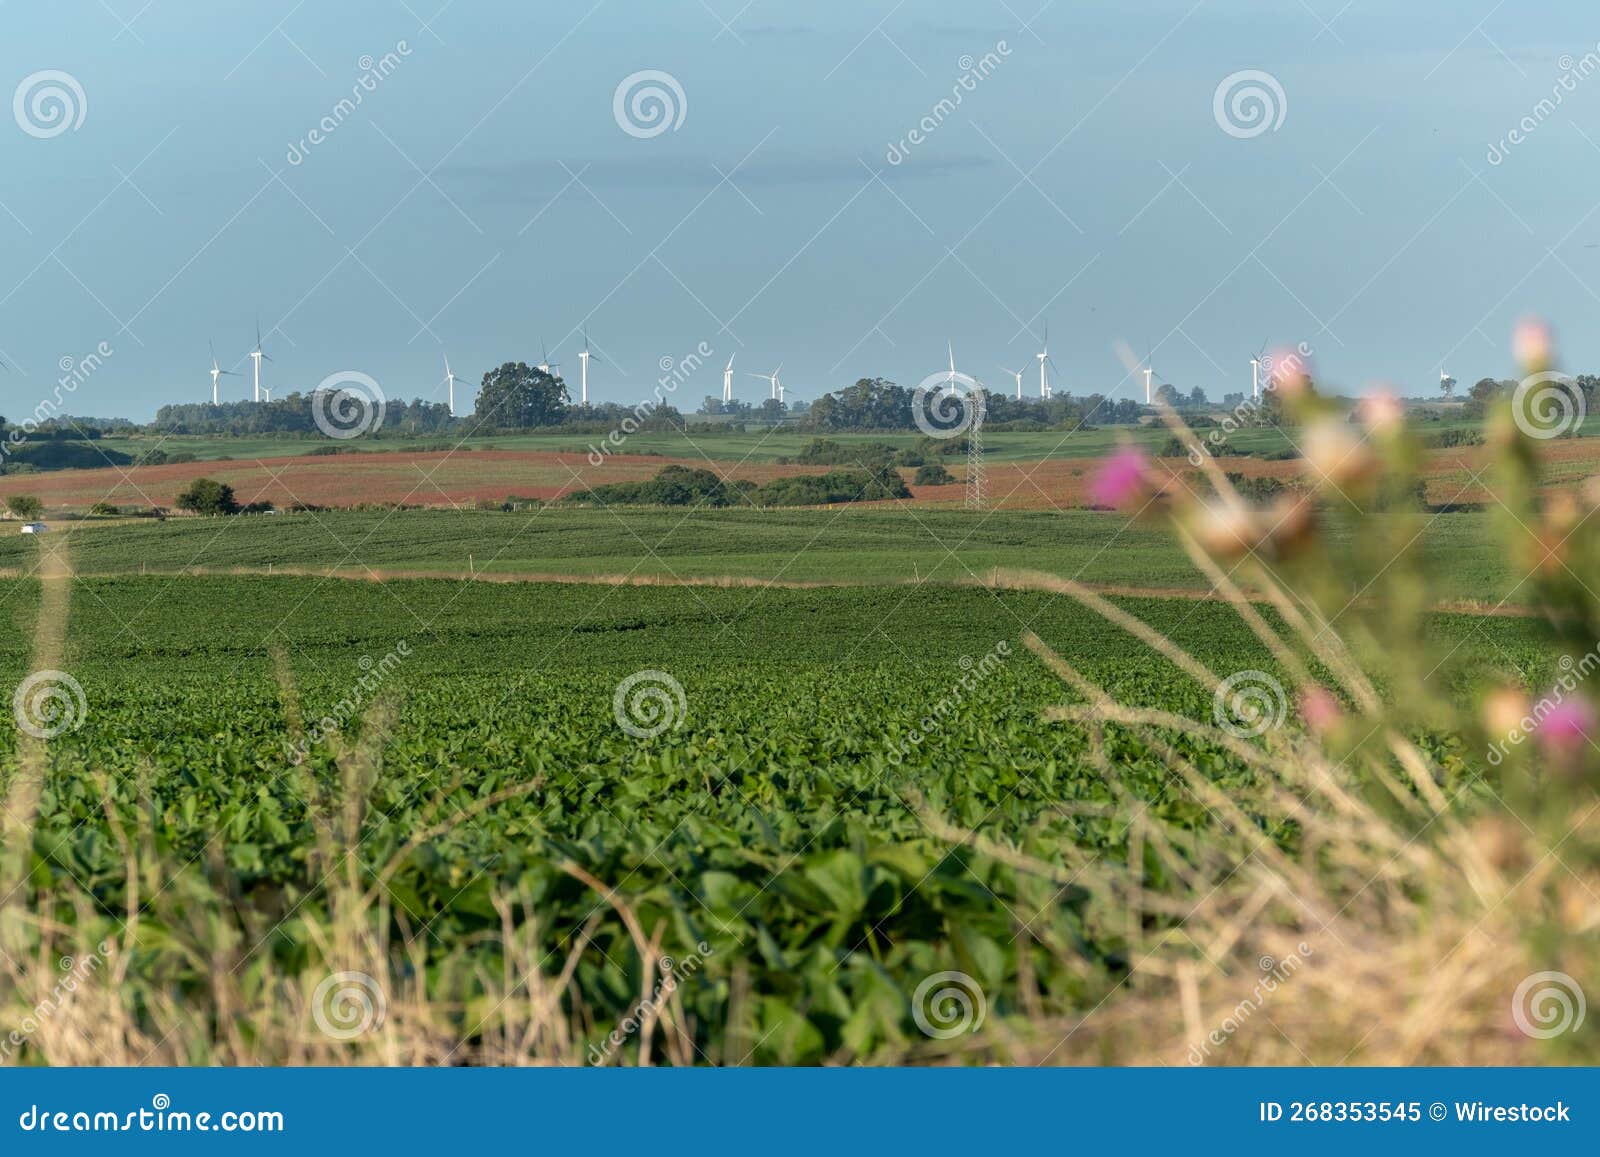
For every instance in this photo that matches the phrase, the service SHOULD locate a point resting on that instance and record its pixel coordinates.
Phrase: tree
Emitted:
(1447, 386)
(25, 506)
(1198, 399)
(1168, 393)
(208, 496)
(520, 395)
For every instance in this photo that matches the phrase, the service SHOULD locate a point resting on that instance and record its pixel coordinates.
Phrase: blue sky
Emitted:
(483, 197)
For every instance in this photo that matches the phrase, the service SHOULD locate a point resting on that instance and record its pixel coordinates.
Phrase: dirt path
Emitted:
(387, 574)
(45, 703)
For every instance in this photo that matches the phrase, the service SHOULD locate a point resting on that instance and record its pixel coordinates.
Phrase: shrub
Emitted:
(25, 506)
(933, 474)
(208, 496)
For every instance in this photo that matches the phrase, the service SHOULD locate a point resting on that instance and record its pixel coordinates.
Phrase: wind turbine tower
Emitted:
(727, 381)
(217, 372)
(258, 357)
(1255, 373)
(1149, 372)
(583, 369)
(1044, 363)
(450, 380)
(1018, 375)
(771, 379)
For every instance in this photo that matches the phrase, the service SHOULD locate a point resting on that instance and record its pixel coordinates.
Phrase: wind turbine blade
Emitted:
(729, 366)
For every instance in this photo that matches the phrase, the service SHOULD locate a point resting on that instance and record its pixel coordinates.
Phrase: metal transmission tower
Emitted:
(975, 471)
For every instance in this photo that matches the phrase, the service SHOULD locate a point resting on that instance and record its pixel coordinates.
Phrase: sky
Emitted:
(492, 191)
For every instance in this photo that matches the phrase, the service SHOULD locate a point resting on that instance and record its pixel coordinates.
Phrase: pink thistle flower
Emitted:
(1320, 709)
(1533, 344)
(1566, 727)
(1120, 479)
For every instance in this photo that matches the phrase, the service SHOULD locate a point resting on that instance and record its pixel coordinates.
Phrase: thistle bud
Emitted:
(1504, 710)
(1336, 455)
(1227, 530)
(1534, 345)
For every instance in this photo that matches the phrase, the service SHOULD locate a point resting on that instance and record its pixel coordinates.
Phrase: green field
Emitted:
(845, 545)
(784, 826)
(754, 445)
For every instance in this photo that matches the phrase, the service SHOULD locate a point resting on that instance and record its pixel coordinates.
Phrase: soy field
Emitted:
(491, 793)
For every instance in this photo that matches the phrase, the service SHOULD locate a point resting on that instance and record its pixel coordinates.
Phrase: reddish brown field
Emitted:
(463, 477)
(438, 478)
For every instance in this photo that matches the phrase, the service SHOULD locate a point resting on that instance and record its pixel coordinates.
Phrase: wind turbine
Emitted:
(450, 380)
(1149, 372)
(217, 372)
(583, 367)
(267, 391)
(257, 356)
(545, 364)
(1044, 362)
(772, 378)
(1018, 375)
(727, 381)
(1255, 373)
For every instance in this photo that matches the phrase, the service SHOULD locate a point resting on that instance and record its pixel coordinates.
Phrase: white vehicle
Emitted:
(34, 528)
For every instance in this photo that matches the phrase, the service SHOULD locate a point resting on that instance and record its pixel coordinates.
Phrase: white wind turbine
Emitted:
(545, 364)
(267, 391)
(1018, 375)
(1045, 361)
(583, 368)
(727, 381)
(217, 372)
(1255, 373)
(772, 378)
(450, 381)
(1149, 372)
(257, 356)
